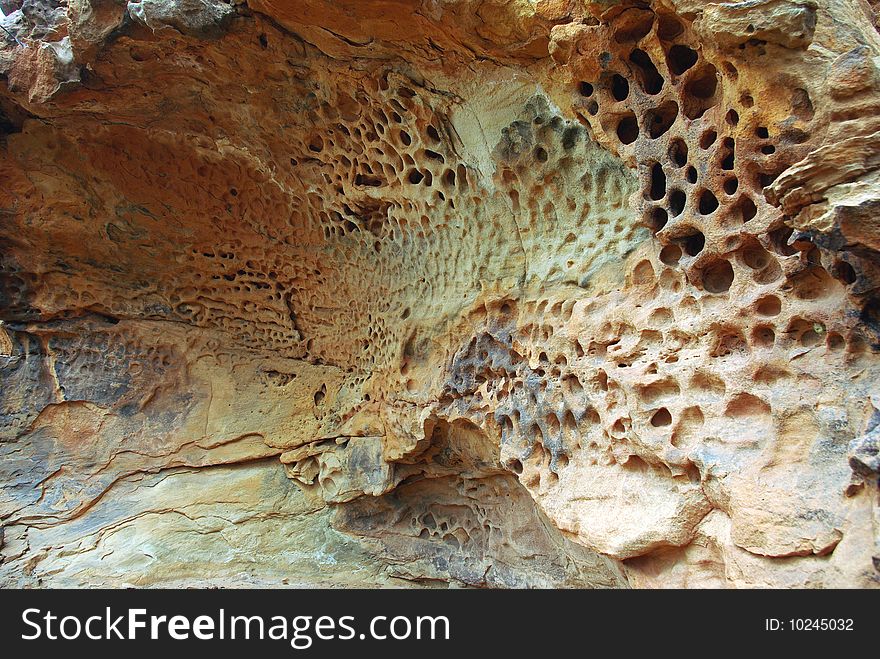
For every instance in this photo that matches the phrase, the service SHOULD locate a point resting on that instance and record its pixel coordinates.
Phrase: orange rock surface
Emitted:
(478, 292)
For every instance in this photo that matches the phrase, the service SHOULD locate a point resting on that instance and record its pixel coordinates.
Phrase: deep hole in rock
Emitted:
(660, 120)
(845, 272)
(661, 418)
(747, 208)
(678, 151)
(659, 218)
(681, 58)
(619, 87)
(694, 243)
(708, 138)
(677, 201)
(708, 202)
(652, 81)
(779, 238)
(628, 129)
(728, 153)
(699, 91)
(658, 182)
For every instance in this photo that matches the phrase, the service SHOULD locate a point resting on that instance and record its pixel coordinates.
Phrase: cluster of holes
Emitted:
(374, 175)
(549, 169)
(659, 98)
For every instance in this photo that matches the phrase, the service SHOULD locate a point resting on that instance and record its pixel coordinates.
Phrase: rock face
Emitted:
(452, 292)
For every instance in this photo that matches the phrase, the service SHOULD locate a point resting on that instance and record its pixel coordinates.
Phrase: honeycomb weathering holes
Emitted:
(385, 255)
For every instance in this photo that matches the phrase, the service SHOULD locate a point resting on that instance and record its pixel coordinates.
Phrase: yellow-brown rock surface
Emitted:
(471, 292)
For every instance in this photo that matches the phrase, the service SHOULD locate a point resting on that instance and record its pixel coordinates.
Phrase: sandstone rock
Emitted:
(509, 294)
(789, 23)
(91, 22)
(200, 18)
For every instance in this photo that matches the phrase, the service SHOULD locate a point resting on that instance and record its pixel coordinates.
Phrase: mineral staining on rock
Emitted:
(473, 293)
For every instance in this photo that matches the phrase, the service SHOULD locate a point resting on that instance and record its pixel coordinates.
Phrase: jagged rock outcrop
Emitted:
(471, 292)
